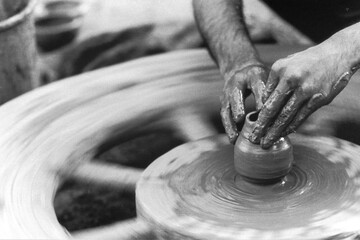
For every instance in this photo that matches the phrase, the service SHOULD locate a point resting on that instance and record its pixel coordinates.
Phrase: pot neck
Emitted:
(249, 124)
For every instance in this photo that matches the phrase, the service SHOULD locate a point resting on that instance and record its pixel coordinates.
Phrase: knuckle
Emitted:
(257, 70)
(294, 72)
(277, 66)
(306, 91)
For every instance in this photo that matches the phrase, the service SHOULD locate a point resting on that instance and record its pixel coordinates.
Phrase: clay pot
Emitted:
(257, 164)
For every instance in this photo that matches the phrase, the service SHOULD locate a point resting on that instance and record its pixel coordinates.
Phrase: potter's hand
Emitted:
(297, 86)
(222, 25)
(236, 88)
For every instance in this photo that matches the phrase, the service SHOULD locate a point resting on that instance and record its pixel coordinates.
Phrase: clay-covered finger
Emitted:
(271, 85)
(316, 101)
(237, 104)
(257, 88)
(269, 110)
(283, 120)
(227, 120)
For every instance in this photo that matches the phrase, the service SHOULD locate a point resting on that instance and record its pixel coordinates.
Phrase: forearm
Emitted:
(346, 43)
(222, 25)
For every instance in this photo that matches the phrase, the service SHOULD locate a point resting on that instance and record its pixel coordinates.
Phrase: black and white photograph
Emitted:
(180, 119)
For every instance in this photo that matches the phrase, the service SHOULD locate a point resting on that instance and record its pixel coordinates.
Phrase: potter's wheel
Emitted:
(198, 195)
(55, 133)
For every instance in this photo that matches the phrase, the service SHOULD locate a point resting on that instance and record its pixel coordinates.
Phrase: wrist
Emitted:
(346, 44)
(243, 67)
(344, 55)
(240, 58)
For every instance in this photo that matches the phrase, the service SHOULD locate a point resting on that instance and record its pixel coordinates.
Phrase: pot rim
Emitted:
(19, 17)
(250, 115)
(249, 124)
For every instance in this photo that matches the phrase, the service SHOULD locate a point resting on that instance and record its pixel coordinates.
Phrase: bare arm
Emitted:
(221, 23)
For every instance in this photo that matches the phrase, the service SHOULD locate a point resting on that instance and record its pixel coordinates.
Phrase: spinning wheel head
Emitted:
(194, 192)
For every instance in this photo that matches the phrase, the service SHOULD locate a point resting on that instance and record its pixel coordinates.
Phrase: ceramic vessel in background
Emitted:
(257, 164)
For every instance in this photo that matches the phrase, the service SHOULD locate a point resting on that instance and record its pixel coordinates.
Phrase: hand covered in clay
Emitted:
(297, 86)
(236, 88)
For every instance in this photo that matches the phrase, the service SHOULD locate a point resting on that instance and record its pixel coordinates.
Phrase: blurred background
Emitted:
(75, 36)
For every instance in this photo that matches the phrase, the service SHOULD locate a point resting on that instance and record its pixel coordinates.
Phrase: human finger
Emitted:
(227, 120)
(257, 88)
(315, 102)
(271, 84)
(237, 103)
(269, 110)
(284, 118)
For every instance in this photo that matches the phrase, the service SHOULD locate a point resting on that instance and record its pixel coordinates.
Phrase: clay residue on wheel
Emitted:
(314, 190)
